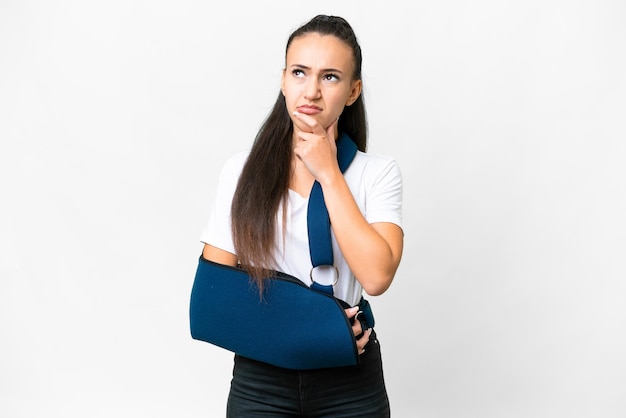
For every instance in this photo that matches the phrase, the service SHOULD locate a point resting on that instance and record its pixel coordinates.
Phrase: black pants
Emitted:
(262, 390)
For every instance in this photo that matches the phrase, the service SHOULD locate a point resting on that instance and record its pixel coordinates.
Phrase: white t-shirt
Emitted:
(376, 185)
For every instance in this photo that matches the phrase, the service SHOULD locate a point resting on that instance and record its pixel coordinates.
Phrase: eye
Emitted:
(331, 77)
(297, 72)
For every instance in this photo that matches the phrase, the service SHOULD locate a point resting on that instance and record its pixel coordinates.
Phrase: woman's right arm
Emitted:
(218, 255)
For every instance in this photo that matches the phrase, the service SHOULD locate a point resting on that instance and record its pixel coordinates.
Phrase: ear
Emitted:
(282, 81)
(357, 86)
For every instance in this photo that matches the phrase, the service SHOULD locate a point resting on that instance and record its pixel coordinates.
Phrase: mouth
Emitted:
(309, 109)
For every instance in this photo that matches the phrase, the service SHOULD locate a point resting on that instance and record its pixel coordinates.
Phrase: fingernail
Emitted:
(296, 113)
(354, 310)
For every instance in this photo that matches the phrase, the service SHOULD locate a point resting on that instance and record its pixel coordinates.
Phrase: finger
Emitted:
(356, 325)
(350, 312)
(362, 342)
(307, 136)
(357, 329)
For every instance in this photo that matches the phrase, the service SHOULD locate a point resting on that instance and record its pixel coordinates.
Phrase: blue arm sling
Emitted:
(293, 325)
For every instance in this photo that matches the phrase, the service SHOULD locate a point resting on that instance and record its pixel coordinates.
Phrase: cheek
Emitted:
(291, 96)
(338, 105)
(290, 104)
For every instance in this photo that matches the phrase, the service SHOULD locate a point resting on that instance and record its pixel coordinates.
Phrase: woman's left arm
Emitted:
(372, 251)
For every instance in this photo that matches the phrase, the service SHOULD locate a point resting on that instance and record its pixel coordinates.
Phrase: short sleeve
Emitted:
(218, 229)
(384, 197)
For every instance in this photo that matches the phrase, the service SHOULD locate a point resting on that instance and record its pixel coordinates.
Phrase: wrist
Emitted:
(331, 178)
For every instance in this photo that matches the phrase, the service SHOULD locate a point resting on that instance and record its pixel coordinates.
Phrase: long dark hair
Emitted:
(264, 180)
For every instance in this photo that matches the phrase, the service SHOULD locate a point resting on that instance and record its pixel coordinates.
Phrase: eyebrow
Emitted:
(324, 70)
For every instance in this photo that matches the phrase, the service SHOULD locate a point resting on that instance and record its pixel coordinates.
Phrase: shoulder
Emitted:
(229, 174)
(236, 161)
(375, 160)
(372, 166)
(233, 165)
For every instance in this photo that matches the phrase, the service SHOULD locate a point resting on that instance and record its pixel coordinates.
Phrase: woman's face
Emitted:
(317, 79)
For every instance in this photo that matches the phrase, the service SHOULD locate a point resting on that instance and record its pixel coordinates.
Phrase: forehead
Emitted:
(320, 51)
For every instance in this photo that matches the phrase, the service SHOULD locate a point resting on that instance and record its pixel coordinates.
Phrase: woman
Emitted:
(259, 220)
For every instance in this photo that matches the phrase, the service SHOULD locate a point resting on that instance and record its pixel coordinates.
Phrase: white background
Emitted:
(507, 119)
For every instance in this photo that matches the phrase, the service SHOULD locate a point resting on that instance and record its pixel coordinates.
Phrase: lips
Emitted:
(309, 109)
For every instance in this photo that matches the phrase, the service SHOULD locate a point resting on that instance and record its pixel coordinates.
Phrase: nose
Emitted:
(312, 89)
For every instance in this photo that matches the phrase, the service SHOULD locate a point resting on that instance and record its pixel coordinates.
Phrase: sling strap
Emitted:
(318, 226)
(318, 221)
